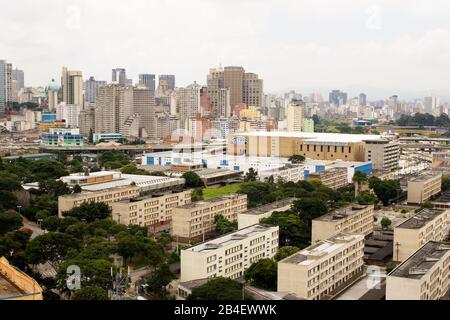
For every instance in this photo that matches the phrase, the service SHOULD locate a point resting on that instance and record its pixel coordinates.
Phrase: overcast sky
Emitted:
(381, 47)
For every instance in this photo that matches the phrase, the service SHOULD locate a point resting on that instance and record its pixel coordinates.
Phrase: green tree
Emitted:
(158, 282)
(218, 289)
(51, 223)
(293, 231)
(77, 189)
(367, 198)
(54, 187)
(251, 175)
(296, 159)
(197, 195)
(263, 274)
(445, 183)
(133, 169)
(112, 159)
(285, 252)
(359, 179)
(310, 208)
(9, 221)
(223, 226)
(90, 293)
(89, 211)
(91, 136)
(385, 223)
(192, 179)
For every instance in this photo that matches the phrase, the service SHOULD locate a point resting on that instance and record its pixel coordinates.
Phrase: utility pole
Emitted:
(120, 283)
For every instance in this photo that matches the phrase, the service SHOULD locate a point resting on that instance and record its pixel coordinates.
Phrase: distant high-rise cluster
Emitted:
(12, 82)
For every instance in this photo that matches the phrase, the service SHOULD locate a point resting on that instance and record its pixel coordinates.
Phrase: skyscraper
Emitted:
(119, 75)
(170, 80)
(90, 89)
(430, 105)
(19, 77)
(253, 90)
(144, 105)
(338, 98)
(188, 103)
(233, 79)
(72, 87)
(107, 106)
(294, 118)
(148, 80)
(363, 99)
(2, 86)
(9, 84)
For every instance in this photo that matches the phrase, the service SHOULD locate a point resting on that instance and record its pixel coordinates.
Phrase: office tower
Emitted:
(87, 120)
(205, 104)
(107, 108)
(363, 99)
(119, 75)
(68, 112)
(338, 98)
(294, 118)
(430, 104)
(253, 90)
(148, 80)
(19, 77)
(188, 103)
(170, 80)
(90, 89)
(234, 80)
(214, 85)
(144, 105)
(9, 84)
(2, 86)
(72, 87)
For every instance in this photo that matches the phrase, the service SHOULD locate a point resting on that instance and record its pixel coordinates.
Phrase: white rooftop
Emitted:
(127, 179)
(313, 136)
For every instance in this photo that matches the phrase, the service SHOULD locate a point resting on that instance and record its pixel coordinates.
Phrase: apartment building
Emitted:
(195, 221)
(229, 256)
(354, 219)
(384, 154)
(333, 178)
(255, 215)
(423, 187)
(423, 276)
(109, 196)
(320, 271)
(289, 172)
(152, 211)
(295, 115)
(427, 225)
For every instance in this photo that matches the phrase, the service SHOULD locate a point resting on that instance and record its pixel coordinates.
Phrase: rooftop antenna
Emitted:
(120, 284)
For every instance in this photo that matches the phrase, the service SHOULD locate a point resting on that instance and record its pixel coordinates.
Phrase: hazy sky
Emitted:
(381, 47)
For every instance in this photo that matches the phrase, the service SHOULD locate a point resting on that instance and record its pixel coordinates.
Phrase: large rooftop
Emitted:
(312, 136)
(417, 265)
(343, 213)
(321, 249)
(420, 219)
(270, 207)
(425, 176)
(231, 238)
(210, 201)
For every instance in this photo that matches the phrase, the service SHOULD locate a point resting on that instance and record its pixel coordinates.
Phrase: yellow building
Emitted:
(16, 285)
(320, 271)
(423, 187)
(195, 221)
(333, 178)
(354, 219)
(423, 276)
(250, 113)
(427, 225)
(312, 145)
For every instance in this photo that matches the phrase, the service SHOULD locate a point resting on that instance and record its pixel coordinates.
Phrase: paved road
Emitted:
(37, 231)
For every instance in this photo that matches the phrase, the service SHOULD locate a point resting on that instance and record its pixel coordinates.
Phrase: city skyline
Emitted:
(351, 46)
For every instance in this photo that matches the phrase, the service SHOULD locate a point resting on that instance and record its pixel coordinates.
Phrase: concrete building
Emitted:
(230, 255)
(119, 75)
(422, 276)
(62, 137)
(72, 87)
(233, 79)
(143, 104)
(289, 172)
(427, 225)
(19, 77)
(353, 219)
(170, 79)
(294, 116)
(150, 211)
(384, 154)
(188, 103)
(253, 90)
(16, 285)
(196, 221)
(68, 202)
(107, 108)
(86, 121)
(70, 113)
(90, 89)
(2, 86)
(334, 178)
(148, 80)
(253, 216)
(322, 270)
(423, 187)
(312, 145)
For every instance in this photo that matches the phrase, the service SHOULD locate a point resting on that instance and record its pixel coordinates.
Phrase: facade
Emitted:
(143, 104)
(294, 117)
(422, 276)
(196, 221)
(427, 225)
(170, 79)
(354, 219)
(253, 90)
(97, 137)
(19, 77)
(321, 270)
(16, 285)
(2, 86)
(254, 216)
(334, 178)
(86, 121)
(119, 75)
(230, 255)
(287, 173)
(70, 113)
(233, 79)
(154, 210)
(423, 187)
(62, 137)
(109, 196)
(148, 80)
(384, 154)
(72, 87)
(90, 90)
(188, 103)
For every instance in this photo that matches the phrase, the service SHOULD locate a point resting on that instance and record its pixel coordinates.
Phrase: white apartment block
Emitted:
(149, 211)
(229, 256)
(293, 173)
(354, 219)
(423, 276)
(427, 225)
(70, 113)
(195, 221)
(422, 188)
(255, 215)
(384, 154)
(109, 196)
(323, 269)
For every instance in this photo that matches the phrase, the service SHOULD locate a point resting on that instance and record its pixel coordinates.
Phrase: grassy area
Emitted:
(210, 193)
